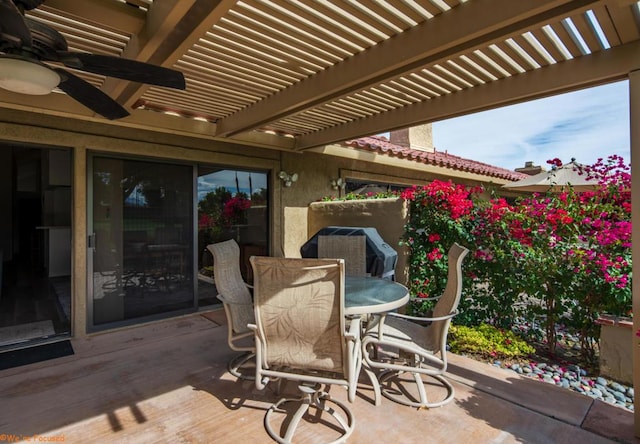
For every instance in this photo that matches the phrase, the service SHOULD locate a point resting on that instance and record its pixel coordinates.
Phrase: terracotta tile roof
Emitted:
(380, 144)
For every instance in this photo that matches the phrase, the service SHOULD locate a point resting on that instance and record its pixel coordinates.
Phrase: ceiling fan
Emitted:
(26, 43)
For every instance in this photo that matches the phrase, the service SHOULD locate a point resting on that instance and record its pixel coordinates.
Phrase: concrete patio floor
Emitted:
(167, 382)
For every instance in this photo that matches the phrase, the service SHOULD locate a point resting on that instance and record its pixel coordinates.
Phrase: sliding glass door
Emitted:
(232, 204)
(142, 240)
(148, 254)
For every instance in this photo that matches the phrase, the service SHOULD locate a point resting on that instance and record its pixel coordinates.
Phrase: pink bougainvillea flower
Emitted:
(434, 237)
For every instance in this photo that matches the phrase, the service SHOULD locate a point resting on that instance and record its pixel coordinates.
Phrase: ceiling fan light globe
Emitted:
(27, 77)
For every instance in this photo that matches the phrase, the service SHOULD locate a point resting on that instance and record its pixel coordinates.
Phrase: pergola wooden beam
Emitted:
(172, 27)
(583, 72)
(120, 16)
(462, 29)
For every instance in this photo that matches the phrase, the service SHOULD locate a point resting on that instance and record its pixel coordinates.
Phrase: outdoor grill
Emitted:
(381, 258)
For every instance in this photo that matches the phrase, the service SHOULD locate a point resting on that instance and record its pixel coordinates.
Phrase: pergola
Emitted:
(300, 74)
(296, 75)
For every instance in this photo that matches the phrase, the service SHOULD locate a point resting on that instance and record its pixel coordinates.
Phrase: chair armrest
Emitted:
(422, 318)
(432, 298)
(418, 319)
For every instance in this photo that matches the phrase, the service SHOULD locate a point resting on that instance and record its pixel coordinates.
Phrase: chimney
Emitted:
(417, 137)
(530, 169)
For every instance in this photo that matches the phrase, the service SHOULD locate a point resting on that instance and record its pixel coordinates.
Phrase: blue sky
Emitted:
(585, 124)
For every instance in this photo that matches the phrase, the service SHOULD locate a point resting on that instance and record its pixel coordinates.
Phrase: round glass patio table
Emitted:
(366, 295)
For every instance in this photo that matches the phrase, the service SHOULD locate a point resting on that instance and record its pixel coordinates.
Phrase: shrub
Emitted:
(439, 215)
(544, 260)
(488, 341)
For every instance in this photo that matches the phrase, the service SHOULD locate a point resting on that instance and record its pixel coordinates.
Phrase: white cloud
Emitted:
(585, 124)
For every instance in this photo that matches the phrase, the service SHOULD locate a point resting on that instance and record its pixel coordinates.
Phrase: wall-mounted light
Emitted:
(287, 179)
(338, 183)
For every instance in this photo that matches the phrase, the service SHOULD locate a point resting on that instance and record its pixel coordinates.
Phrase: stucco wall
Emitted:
(295, 230)
(290, 218)
(388, 216)
(316, 171)
(616, 350)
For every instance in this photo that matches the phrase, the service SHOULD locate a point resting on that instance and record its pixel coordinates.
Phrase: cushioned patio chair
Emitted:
(396, 344)
(238, 305)
(300, 335)
(353, 249)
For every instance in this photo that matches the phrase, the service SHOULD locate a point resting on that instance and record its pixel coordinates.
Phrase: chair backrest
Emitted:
(450, 298)
(353, 249)
(229, 283)
(299, 311)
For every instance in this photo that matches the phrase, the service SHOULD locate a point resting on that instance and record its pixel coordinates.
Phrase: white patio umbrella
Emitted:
(556, 180)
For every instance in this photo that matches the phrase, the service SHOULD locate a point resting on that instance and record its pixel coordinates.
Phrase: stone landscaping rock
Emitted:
(571, 376)
(616, 387)
(576, 378)
(619, 396)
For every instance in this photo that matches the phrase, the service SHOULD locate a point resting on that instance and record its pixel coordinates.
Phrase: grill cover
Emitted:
(381, 258)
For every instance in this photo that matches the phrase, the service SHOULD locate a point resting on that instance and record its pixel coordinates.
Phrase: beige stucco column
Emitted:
(79, 243)
(634, 115)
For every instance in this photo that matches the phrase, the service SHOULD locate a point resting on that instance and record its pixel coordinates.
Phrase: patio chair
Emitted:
(236, 300)
(421, 349)
(300, 335)
(353, 249)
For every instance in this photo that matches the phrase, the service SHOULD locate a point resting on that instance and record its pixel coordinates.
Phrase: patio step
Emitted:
(555, 402)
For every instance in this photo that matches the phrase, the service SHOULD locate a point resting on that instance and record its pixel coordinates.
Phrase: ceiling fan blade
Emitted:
(126, 69)
(13, 28)
(90, 96)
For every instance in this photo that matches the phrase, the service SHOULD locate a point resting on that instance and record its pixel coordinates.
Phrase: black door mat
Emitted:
(38, 353)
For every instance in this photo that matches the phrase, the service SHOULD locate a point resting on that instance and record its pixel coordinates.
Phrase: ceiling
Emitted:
(299, 74)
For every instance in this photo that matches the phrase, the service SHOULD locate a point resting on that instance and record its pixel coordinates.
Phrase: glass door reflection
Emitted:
(142, 220)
